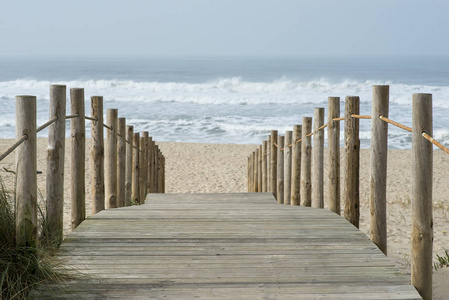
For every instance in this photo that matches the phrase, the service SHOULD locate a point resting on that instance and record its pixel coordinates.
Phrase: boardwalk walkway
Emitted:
(225, 246)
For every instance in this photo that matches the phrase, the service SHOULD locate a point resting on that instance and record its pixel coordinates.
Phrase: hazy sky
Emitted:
(225, 27)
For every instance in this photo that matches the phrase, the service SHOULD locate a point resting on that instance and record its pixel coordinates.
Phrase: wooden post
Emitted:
(129, 163)
(280, 170)
(306, 162)
(333, 136)
(78, 163)
(264, 167)
(97, 155)
(121, 162)
(352, 153)
(288, 167)
(318, 159)
(163, 174)
(156, 169)
(160, 185)
(255, 165)
(248, 174)
(26, 168)
(111, 159)
(135, 192)
(296, 165)
(252, 173)
(149, 164)
(422, 172)
(143, 165)
(55, 164)
(269, 176)
(273, 164)
(378, 170)
(259, 168)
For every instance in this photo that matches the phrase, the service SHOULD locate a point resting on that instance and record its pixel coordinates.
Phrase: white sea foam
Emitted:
(229, 109)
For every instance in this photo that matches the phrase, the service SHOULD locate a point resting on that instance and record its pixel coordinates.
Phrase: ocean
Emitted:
(228, 100)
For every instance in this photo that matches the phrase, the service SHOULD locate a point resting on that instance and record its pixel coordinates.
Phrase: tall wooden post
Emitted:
(280, 170)
(156, 169)
(288, 167)
(149, 164)
(55, 163)
(318, 159)
(306, 162)
(333, 136)
(160, 184)
(129, 163)
(135, 192)
(255, 176)
(97, 155)
(422, 172)
(273, 164)
(248, 175)
(163, 174)
(121, 162)
(296, 165)
(352, 153)
(111, 159)
(378, 170)
(264, 167)
(26, 168)
(259, 167)
(78, 158)
(143, 166)
(269, 176)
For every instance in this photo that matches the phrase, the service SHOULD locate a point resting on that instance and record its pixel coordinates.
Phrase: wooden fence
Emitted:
(125, 167)
(288, 163)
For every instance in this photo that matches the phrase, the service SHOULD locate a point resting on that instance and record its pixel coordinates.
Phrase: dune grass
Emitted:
(23, 268)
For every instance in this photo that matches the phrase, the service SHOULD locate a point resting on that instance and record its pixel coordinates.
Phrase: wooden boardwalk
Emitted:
(225, 246)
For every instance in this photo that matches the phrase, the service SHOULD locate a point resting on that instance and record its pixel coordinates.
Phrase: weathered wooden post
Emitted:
(248, 174)
(121, 162)
(264, 167)
(273, 164)
(269, 176)
(333, 137)
(135, 193)
(422, 172)
(143, 165)
(318, 159)
(378, 170)
(163, 174)
(55, 163)
(280, 170)
(78, 158)
(129, 163)
(26, 168)
(352, 153)
(306, 162)
(149, 164)
(156, 169)
(160, 184)
(256, 187)
(111, 158)
(259, 168)
(288, 167)
(97, 155)
(296, 165)
(151, 146)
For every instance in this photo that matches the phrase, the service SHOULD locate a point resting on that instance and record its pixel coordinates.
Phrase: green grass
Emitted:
(23, 268)
(443, 261)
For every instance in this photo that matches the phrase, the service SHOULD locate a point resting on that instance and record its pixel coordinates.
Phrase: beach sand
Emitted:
(221, 168)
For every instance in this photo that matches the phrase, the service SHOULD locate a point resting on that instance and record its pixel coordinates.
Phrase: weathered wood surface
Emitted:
(216, 246)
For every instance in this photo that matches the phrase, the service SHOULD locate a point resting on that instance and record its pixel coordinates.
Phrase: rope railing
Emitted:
(409, 129)
(13, 147)
(46, 124)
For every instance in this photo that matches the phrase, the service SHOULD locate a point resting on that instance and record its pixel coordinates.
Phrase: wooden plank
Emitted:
(236, 246)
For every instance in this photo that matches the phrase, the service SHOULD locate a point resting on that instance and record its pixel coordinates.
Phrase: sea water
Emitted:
(228, 100)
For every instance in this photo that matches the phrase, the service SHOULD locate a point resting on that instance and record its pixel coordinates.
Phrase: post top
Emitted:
(26, 97)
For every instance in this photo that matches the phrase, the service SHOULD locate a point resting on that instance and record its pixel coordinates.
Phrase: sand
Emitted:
(221, 168)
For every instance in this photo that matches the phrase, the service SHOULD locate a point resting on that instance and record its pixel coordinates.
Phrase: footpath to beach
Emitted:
(232, 246)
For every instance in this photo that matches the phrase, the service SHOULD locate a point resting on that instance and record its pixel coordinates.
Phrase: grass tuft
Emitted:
(443, 261)
(23, 268)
